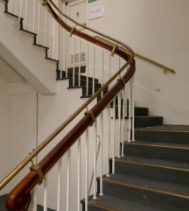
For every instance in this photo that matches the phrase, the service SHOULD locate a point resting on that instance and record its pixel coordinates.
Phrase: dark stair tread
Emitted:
(2, 202)
(159, 145)
(166, 188)
(166, 128)
(114, 204)
(182, 166)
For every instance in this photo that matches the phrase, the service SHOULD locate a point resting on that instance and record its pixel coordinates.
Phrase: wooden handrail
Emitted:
(127, 56)
(20, 197)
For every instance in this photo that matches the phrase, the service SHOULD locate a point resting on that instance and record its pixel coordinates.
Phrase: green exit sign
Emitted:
(90, 1)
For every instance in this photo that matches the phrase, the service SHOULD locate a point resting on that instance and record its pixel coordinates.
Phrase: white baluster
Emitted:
(67, 54)
(79, 75)
(101, 156)
(102, 76)
(26, 14)
(46, 28)
(114, 138)
(95, 160)
(123, 123)
(34, 16)
(73, 73)
(86, 168)
(45, 193)
(129, 119)
(133, 109)
(87, 71)
(94, 58)
(79, 175)
(59, 184)
(68, 181)
(119, 123)
(39, 22)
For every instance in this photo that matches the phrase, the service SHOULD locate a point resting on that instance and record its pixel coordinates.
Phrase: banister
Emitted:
(141, 56)
(20, 197)
(119, 51)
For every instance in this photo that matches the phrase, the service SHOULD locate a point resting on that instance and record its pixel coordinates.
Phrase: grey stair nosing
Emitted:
(153, 165)
(115, 204)
(149, 189)
(156, 145)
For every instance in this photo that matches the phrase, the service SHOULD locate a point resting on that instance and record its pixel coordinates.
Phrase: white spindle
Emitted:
(79, 73)
(67, 39)
(86, 168)
(39, 22)
(73, 73)
(108, 142)
(119, 123)
(129, 118)
(68, 181)
(102, 76)
(46, 28)
(26, 14)
(94, 58)
(45, 193)
(34, 16)
(59, 184)
(79, 175)
(123, 123)
(20, 12)
(133, 110)
(101, 156)
(95, 160)
(87, 71)
(12, 7)
(114, 138)
(50, 43)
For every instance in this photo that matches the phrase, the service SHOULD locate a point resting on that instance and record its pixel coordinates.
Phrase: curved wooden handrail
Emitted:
(20, 197)
(129, 56)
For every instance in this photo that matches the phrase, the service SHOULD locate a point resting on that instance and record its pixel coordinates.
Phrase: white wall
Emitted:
(159, 30)
(4, 130)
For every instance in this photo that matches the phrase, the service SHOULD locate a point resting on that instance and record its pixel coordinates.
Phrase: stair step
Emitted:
(114, 204)
(144, 121)
(176, 134)
(153, 168)
(178, 153)
(83, 77)
(163, 195)
(2, 202)
(141, 111)
(82, 83)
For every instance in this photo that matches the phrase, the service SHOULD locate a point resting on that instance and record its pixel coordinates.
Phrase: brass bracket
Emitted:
(123, 81)
(92, 116)
(72, 30)
(39, 172)
(113, 50)
(45, 2)
(165, 71)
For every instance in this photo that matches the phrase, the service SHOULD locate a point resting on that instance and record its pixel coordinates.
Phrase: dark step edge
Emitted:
(152, 165)
(147, 189)
(157, 145)
(156, 130)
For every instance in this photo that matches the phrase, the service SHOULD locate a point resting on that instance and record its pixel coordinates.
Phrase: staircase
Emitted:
(153, 175)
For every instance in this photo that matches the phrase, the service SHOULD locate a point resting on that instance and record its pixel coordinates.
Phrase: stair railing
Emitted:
(166, 69)
(111, 110)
